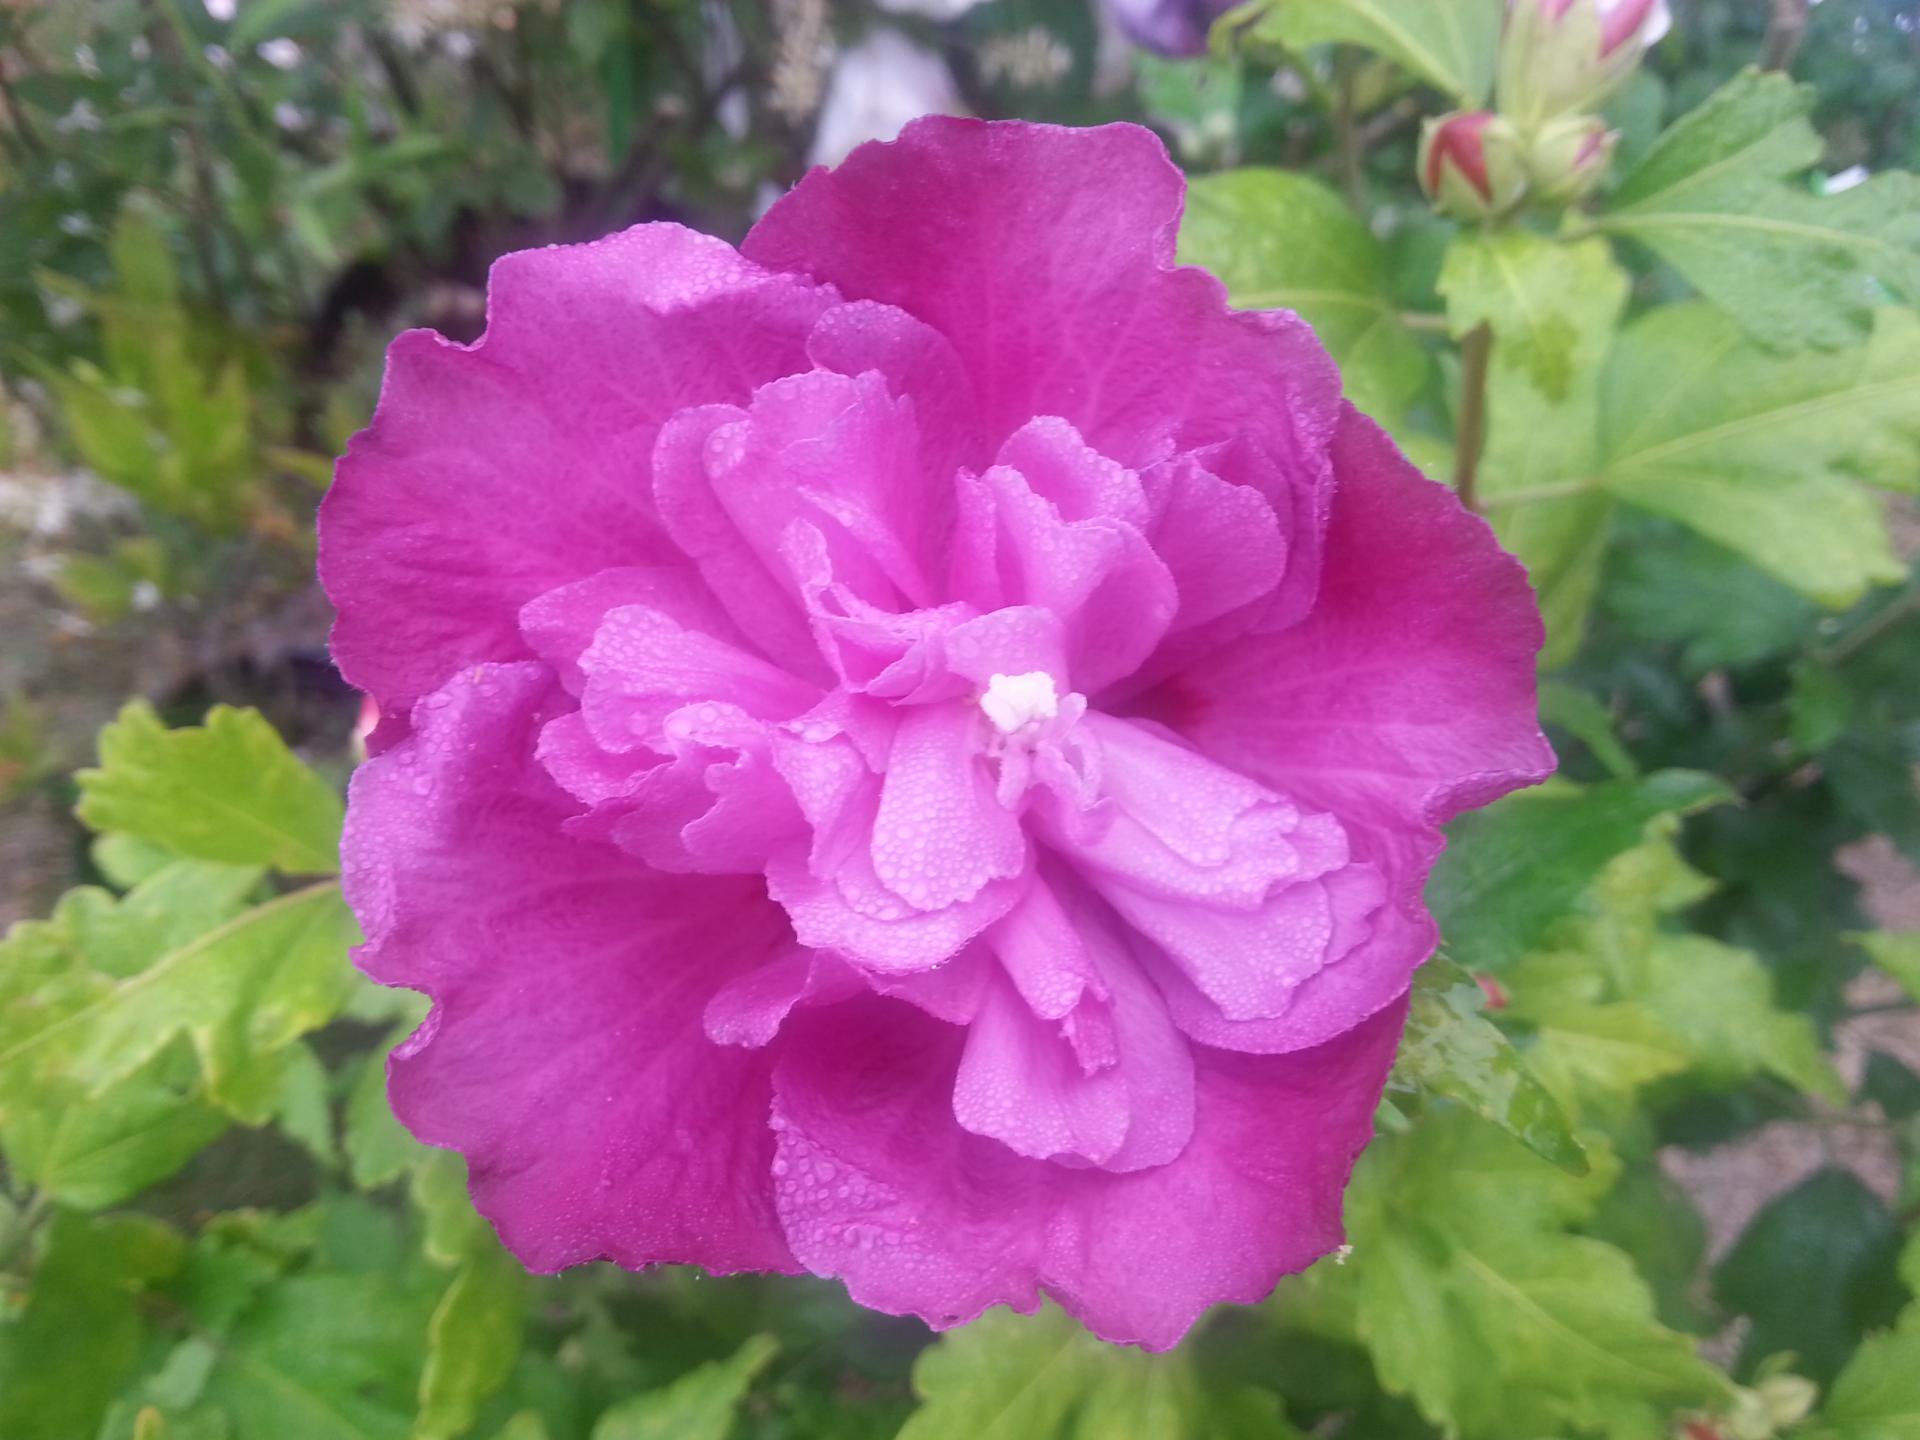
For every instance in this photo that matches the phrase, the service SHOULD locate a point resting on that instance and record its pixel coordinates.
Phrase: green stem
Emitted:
(1346, 133)
(1537, 494)
(1476, 355)
(1869, 629)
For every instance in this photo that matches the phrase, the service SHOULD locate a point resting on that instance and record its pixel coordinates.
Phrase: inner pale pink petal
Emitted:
(1044, 955)
(941, 834)
(1149, 1054)
(859, 918)
(1221, 541)
(561, 624)
(750, 1008)
(642, 666)
(843, 454)
(1252, 965)
(759, 600)
(584, 767)
(889, 655)
(1019, 640)
(1078, 480)
(1099, 576)
(952, 991)
(1178, 827)
(1021, 1083)
(718, 806)
(920, 367)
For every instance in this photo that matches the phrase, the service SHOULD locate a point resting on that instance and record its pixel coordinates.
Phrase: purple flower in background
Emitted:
(1172, 27)
(912, 748)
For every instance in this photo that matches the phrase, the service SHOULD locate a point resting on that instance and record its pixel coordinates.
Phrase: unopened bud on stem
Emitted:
(1470, 164)
(1568, 157)
(1561, 56)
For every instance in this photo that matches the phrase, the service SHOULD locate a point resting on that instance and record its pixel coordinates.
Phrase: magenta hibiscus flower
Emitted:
(913, 747)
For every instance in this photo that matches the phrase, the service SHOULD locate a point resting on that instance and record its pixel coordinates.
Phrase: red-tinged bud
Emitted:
(1496, 993)
(1559, 56)
(1637, 21)
(1470, 164)
(1699, 1430)
(1568, 157)
(1620, 20)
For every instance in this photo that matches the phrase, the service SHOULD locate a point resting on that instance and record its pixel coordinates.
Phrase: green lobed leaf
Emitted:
(1718, 1002)
(1283, 240)
(227, 790)
(1763, 452)
(1450, 1049)
(700, 1405)
(1450, 44)
(473, 1341)
(1476, 1300)
(1512, 869)
(1553, 309)
(1711, 199)
(117, 935)
(1877, 1396)
(1667, 585)
(1572, 709)
(1008, 1376)
(1651, 1217)
(242, 991)
(301, 1105)
(90, 1152)
(379, 1150)
(126, 860)
(79, 1338)
(454, 1229)
(322, 1356)
(1618, 1001)
(1586, 1050)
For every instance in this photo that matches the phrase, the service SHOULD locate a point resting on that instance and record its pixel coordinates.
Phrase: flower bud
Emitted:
(1560, 56)
(1568, 157)
(1470, 164)
(1788, 1398)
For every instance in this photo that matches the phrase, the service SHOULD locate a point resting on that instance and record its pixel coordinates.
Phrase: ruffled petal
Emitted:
(565, 1055)
(940, 836)
(1112, 595)
(643, 666)
(879, 1185)
(1406, 696)
(1021, 1083)
(1045, 257)
(1102, 1076)
(760, 602)
(559, 625)
(1253, 1197)
(1221, 542)
(920, 367)
(718, 806)
(493, 473)
(856, 916)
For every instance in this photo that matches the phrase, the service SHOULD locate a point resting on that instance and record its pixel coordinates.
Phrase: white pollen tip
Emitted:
(1012, 701)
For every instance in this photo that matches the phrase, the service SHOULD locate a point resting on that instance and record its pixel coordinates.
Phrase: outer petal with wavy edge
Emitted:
(566, 1054)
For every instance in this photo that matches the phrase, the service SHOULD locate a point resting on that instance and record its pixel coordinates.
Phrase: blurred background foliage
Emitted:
(1650, 1163)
